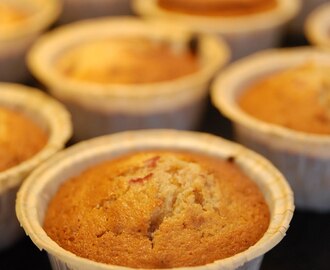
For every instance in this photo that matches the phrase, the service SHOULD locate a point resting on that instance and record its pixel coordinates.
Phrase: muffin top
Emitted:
(127, 60)
(12, 15)
(20, 138)
(218, 7)
(158, 209)
(296, 98)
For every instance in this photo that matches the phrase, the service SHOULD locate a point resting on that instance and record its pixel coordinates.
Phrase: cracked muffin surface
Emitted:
(158, 209)
(20, 138)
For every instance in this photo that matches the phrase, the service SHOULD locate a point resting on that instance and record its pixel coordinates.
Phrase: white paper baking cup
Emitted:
(317, 26)
(244, 34)
(74, 10)
(303, 158)
(40, 187)
(51, 116)
(99, 109)
(16, 40)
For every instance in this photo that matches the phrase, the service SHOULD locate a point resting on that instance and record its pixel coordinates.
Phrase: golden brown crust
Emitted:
(20, 138)
(218, 7)
(296, 98)
(158, 209)
(127, 60)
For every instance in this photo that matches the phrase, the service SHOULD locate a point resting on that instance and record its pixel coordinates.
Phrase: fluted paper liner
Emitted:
(244, 34)
(99, 109)
(35, 194)
(303, 158)
(15, 41)
(51, 116)
(317, 26)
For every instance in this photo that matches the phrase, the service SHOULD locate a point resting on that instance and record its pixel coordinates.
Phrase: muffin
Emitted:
(74, 10)
(33, 127)
(239, 22)
(154, 170)
(289, 124)
(317, 26)
(122, 74)
(21, 22)
(296, 98)
(20, 138)
(156, 201)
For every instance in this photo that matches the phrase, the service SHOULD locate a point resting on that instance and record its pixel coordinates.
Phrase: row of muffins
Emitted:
(131, 105)
(242, 22)
(72, 83)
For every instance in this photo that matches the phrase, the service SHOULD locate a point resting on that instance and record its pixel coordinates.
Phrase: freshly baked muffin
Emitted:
(297, 98)
(126, 73)
(20, 138)
(33, 127)
(239, 22)
(279, 103)
(156, 198)
(158, 210)
(21, 22)
(127, 60)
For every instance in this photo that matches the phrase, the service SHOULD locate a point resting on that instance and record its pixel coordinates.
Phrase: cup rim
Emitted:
(93, 151)
(51, 112)
(285, 11)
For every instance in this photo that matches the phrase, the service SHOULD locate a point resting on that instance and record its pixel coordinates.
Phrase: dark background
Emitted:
(306, 246)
